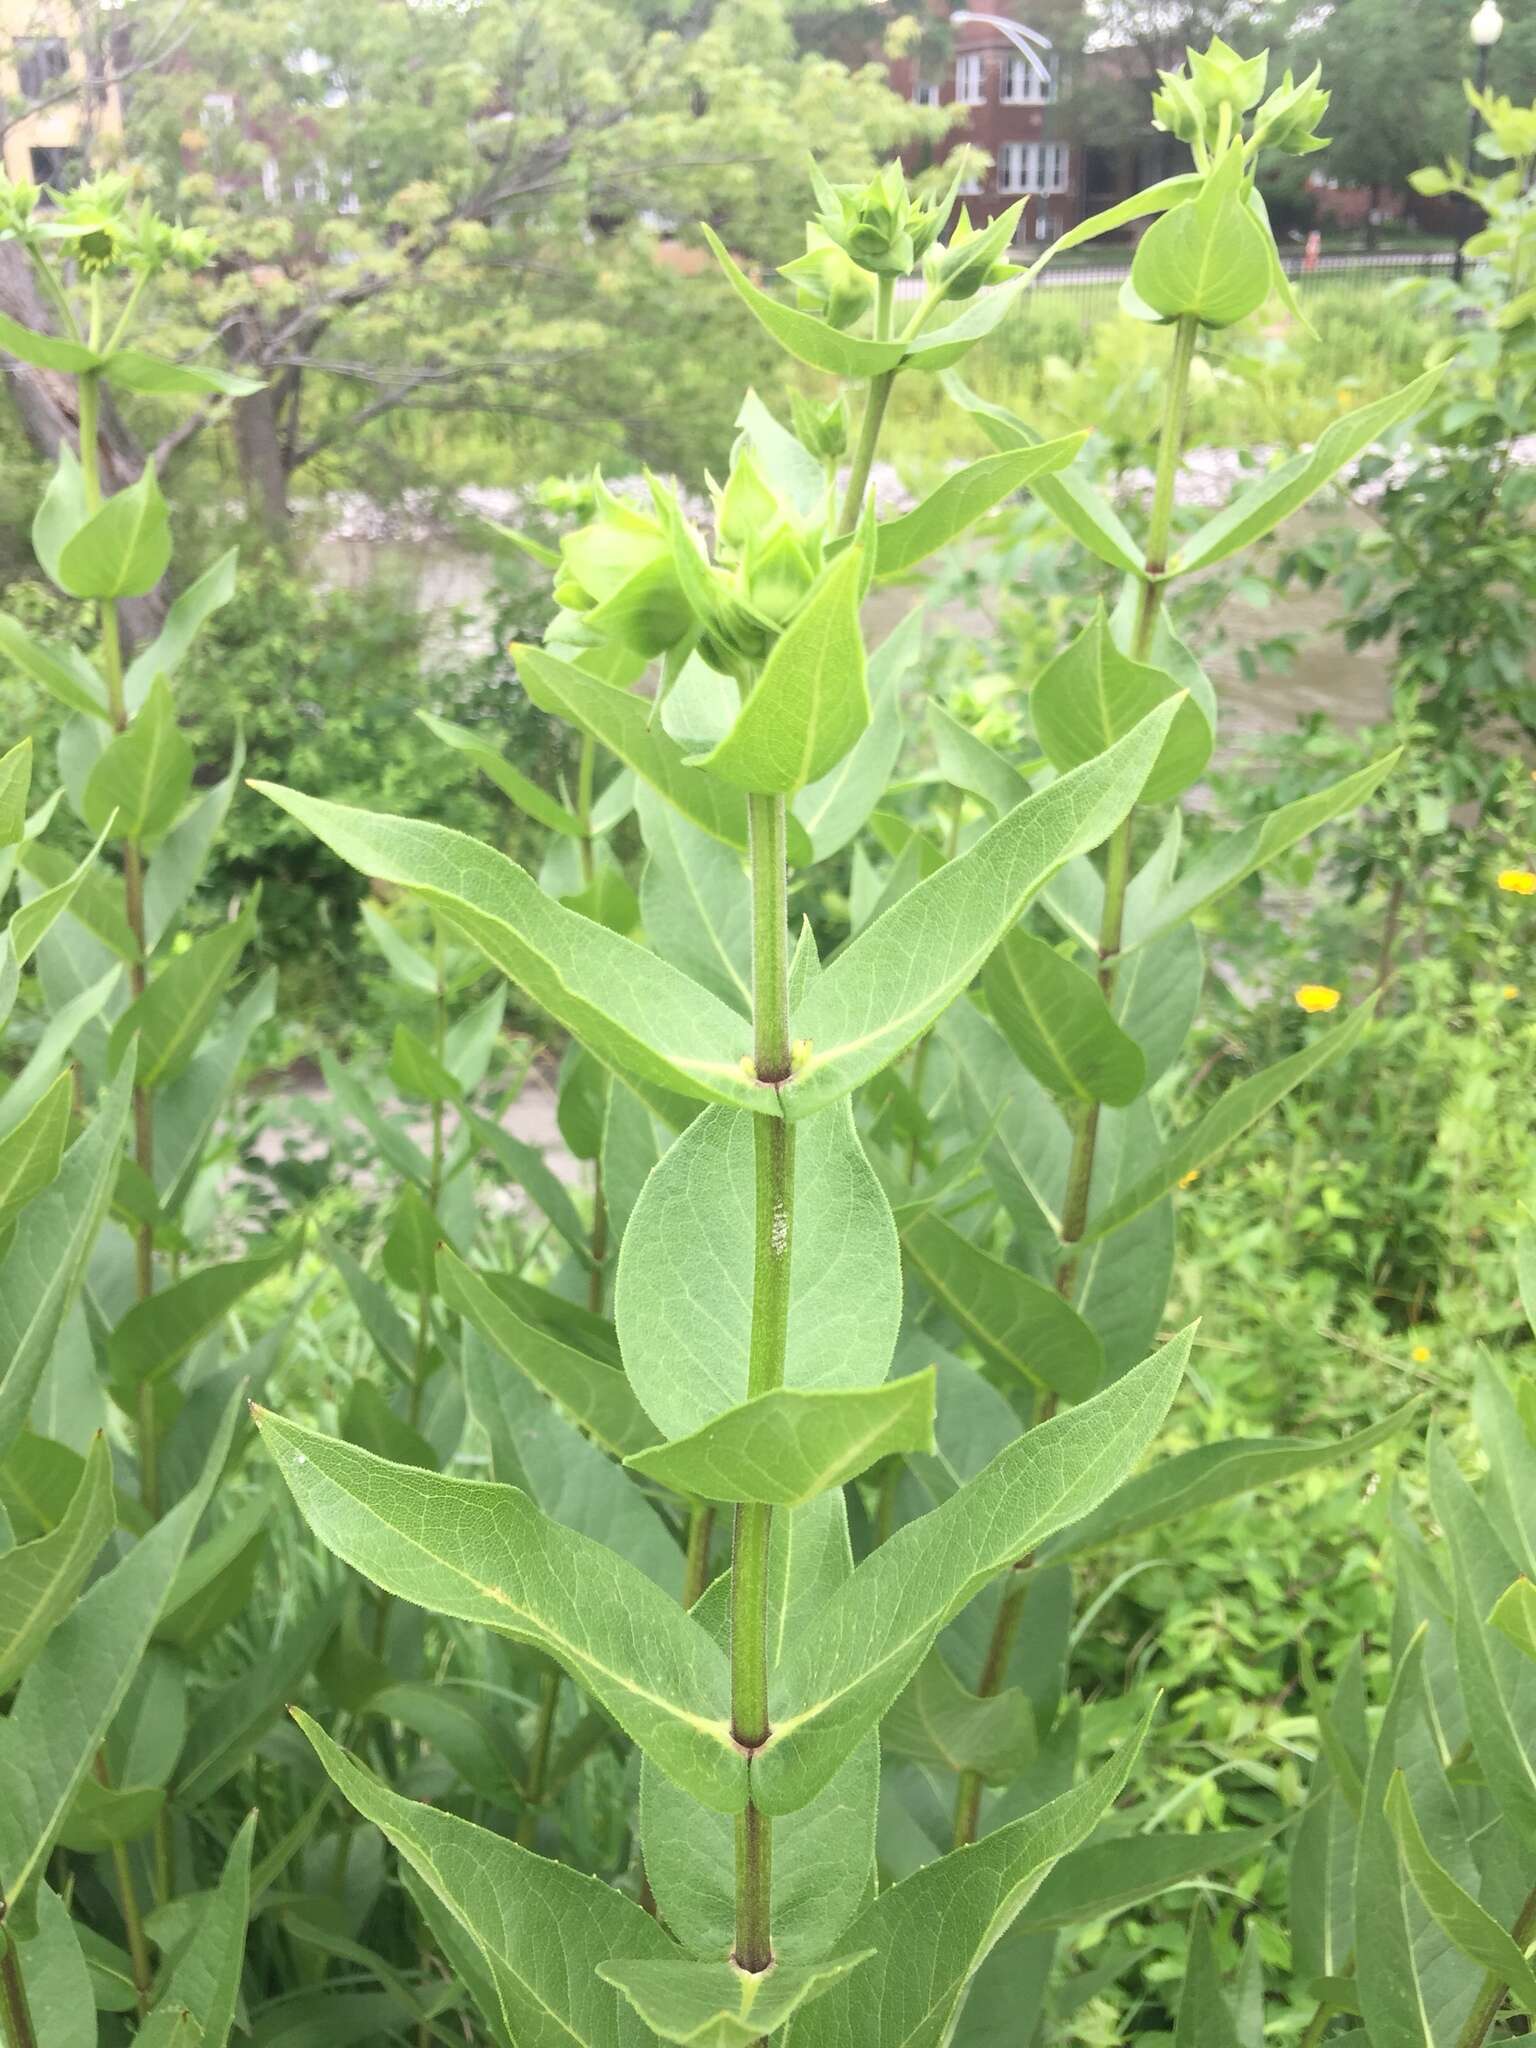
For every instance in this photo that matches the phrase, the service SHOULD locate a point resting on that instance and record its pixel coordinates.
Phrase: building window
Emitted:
(271, 181)
(971, 188)
(925, 95)
(39, 61)
(1033, 167)
(1013, 167)
(970, 81)
(218, 109)
(1023, 86)
(1054, 167)
(59, 168)
(1046, 229)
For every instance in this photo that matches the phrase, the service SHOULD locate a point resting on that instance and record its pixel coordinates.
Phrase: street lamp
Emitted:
(1486, 27)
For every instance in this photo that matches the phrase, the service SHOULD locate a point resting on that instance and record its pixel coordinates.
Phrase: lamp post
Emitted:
(1486, 27)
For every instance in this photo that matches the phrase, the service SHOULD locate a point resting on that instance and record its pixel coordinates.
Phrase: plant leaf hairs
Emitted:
(131, 1043)
(758, 1298)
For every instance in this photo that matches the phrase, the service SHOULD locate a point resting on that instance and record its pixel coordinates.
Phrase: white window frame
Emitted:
(971, 79)
(1023, 86)
(1034, 167)
(1013, 167)
(924, 94)
(1055, 167)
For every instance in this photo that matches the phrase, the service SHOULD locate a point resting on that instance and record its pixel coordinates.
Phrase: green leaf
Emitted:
(1466, 1925)
(171, 1017)
(33, 919)
(39, 1580)
(631, 1009)
(1158, 198)
(1104, 1877)
(1238, 1108)
(1207, 256)
(962, 498)
(937, 348)
(204, 1979)
(938, 1723)
(1093, 694)
(416, 1069)
(1071, 497)
(47, 351)
(1012, 1317)
(784, 461)
(132, 370)
(1205, 2018)
(1514, 1615)
(629, 727)
(807, 338)
(60, 511)
(683, 1292)
(787, 1446)
(534, 802)
(853, 1657)
(1212, 1473)
(15, 780)
(593, 1392)
(239, 1712)
(176, 866)
(409, 966)
(525, 1165)
(541, 1930)
(1525, 1270)
(63, 672)
(32, 1151)
(124, 549)
(155, 1335)
(884, 989)
(143, 775)
(696, 902)
(45, 1260)
(1053, 1014)
(104, 1815)
(57, 1979)
(69, 1695)
(215, 1579)
(1243, 852)
(1260, 509)
(832, 810)
(932, 1931)
(810, 703)
(484, 1553)
(716, 2005)
(183, 622)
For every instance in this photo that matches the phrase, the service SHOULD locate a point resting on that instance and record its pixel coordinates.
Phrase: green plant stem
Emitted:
(538, 1761)
(1317, 2026)
(701, 1527)
(133, 1919)
(19, 2031)
(876, 399)
(774, 1155)
(586, 773)
(1005, 1628)
(1495, 1990)
(434, 1182)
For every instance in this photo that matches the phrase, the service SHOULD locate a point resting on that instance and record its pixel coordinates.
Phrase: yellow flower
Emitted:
(1509, 991)
(1345, 397)
(1187, 1180)
(1421, 1354)
(1314, 995)
(1518, 881)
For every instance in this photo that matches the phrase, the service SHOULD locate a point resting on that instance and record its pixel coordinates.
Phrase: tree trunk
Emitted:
(263, 469)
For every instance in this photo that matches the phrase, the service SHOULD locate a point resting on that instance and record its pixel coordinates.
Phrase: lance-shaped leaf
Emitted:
(932, 1932)
(49, 1246)
(1158, 198)
(695, 902)
(807, 338)
(204, 1980)
(177, 864)
(1497, 1683)
(183, 622)
(1093, 694)
(154, 1336)
(33, 919)
(832, 810)
(47, 351)
(63, 672)
(134, 370)
(58, 1982)
(1414, 1990)
(938, 1723)
(1069, 495)
(630, 727)
(143, 776)
(1212, 1473)
(32, 1153)
(938, 348)
(1104, 1877)
(715, 2005)
(121, 551)
(535, 802)
(1053, 1013)
(788, 1446)
(633, 1010)
(809, 705)
(540, 1930)
(1514, 1615)
(592, 1391)
(1467, 1926)
(1227, 1119)
(962, 498)
(484, 1553)
(172, 1015)
(39, 1580)
(15, 781)
(1239, 854)
(1014, 1318)
(901, 971)
(683, 1293)
(849, 1661)
(1260, 509)
(1205, 2018)
(69, 1695)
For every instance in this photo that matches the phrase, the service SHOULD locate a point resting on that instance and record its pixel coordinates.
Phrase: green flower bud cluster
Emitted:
(883, 226)
(100, 228)
(828, 281)
(1205, 104)
(974, 256)
(821, 425)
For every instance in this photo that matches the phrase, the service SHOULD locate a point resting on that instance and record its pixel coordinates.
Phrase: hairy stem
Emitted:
(994, 1670)
(133, 1919)
(774, 1153)
(876, 398)
(19, 2031)
(701, 1528)
(1491, 1999)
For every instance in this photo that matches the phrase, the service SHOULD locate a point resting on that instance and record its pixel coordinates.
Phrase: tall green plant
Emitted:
(894, 1541)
